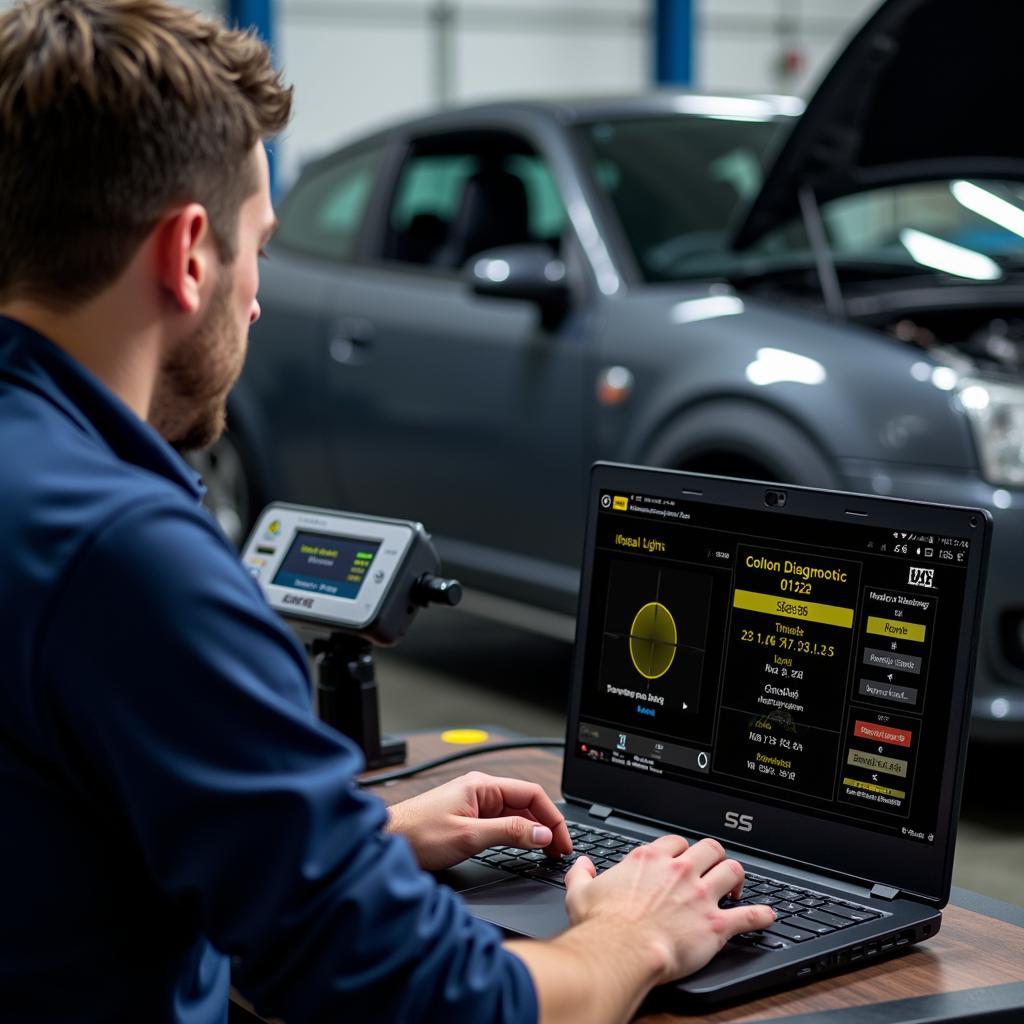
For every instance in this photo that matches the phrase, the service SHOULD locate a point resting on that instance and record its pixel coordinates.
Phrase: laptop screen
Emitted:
(801, 663)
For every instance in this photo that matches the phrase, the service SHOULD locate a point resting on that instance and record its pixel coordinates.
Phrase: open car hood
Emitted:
(927, 89)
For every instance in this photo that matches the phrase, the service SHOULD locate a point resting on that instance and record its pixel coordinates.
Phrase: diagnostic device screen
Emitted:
(806, 663)
(324, 564)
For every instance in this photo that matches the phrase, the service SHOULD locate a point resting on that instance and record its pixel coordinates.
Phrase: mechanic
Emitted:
(170, 800)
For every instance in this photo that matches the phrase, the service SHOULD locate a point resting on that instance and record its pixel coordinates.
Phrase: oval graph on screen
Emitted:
(652, 640)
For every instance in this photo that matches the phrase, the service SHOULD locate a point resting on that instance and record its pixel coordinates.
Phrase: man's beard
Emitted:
(188, 407)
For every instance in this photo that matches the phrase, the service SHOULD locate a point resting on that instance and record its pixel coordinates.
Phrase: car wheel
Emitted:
(229, 493)
(728, 464)
(736, 438)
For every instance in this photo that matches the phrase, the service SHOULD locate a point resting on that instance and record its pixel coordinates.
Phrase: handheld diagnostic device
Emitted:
(345, 582)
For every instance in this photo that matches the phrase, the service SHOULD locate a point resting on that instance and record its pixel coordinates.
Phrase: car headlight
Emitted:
(996, 412)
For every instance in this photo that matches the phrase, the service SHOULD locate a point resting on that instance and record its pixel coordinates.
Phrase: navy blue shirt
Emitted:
(169, 799)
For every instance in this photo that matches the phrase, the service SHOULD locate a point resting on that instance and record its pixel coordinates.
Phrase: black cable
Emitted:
(404, 773)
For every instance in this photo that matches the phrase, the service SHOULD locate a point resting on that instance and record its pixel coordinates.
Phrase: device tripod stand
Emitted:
(347, 699)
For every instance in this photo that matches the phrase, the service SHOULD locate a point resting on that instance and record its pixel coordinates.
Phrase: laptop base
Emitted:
(529, 908)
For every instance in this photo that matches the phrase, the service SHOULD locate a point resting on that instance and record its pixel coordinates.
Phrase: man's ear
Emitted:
(183, 256)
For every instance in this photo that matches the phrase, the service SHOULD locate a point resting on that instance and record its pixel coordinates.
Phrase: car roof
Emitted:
(663, 102)
(569, 110)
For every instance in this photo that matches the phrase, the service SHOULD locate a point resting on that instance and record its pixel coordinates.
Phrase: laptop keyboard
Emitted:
(803, 914)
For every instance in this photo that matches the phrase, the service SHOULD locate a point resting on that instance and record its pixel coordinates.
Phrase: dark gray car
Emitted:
(461, 313)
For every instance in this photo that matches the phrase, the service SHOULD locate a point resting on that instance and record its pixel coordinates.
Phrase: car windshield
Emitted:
(676, 182)
(678, 185)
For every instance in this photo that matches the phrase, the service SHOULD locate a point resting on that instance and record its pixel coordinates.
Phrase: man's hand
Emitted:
(650, 919)
(665, 895)
(462, 817)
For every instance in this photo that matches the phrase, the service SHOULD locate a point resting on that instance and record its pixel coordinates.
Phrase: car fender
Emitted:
(847, 391)
(736, 428)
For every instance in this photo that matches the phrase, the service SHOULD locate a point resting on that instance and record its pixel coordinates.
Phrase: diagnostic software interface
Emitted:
(816, 673)
(326, 564)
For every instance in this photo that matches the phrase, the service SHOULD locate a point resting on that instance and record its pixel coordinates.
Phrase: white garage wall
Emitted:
(357, 64)
(211, 7)
(741, 43)
(354, 65)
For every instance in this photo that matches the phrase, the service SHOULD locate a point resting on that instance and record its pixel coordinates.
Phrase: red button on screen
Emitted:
(882, 734)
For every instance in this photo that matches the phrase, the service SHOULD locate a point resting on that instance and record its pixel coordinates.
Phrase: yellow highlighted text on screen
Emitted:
(896, 629)
(872, 788)
(805, 611)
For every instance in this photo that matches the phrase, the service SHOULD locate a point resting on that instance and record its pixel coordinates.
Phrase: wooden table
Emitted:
(973, 970)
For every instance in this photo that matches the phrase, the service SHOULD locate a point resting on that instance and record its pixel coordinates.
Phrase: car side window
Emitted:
(431, 186)
(324, 213)
(546, 211)
(457, 196)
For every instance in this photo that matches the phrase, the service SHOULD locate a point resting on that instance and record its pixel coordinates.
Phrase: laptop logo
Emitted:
(741, 822)
(920, 577)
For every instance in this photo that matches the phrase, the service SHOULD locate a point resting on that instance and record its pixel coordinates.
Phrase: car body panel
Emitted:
(867, 404)
(465, 395)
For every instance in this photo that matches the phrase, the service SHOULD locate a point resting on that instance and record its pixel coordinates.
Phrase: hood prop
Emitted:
(825, 266)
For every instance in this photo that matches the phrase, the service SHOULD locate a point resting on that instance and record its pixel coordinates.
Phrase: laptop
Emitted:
(788, 670)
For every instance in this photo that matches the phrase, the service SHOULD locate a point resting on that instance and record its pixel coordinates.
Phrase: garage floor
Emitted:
(454, 669)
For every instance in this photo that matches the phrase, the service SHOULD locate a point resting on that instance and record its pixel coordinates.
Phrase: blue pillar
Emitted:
(673, 42)
(257, 14)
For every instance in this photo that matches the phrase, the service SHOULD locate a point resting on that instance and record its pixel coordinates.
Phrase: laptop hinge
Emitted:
(884, 892)
(600, 811)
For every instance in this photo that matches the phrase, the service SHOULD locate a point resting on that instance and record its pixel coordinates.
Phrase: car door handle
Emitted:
(350, 340)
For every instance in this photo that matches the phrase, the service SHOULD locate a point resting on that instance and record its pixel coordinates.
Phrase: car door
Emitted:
(458, 410)
(282, 387)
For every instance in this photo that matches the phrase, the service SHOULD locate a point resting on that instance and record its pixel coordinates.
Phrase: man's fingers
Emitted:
(673, 845)
(725, 879)
(582, 872)
(706, 854)
(528, 798)
(513, 831)
(747, 919)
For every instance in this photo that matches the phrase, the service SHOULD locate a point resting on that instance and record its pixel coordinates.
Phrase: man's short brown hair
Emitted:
(111, 112)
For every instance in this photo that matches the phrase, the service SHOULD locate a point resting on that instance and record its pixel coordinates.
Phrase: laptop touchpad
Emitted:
(522, 906)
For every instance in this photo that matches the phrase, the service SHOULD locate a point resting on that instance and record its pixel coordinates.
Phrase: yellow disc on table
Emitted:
(464, 736)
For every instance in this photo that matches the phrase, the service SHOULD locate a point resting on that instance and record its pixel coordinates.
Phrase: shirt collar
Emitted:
(30, 360)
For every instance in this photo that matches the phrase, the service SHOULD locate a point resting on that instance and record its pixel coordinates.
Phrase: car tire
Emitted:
(736, 438)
